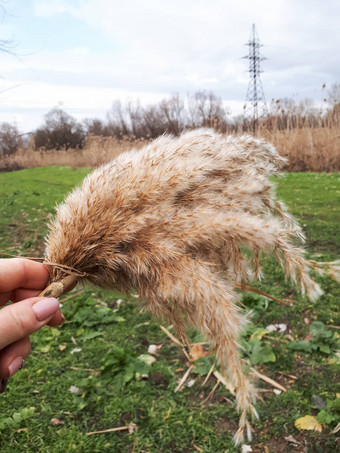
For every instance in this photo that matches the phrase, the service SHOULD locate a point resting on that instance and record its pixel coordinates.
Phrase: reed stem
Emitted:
(56, 289)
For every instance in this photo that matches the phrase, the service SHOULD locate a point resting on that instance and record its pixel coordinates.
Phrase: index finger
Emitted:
(22, 273)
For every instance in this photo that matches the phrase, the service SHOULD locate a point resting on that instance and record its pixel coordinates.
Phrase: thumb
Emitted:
(23, 318)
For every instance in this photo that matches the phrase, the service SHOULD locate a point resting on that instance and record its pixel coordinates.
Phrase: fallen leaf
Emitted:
(146, 358)
(308, 337)
(277, 328)
(132, 427)
(73, 389)
(56, 421)
(62, 347)
(308, 422)
(259, 334)
(153, 348)
(246, 448)
(198, 351)
(21, 430)
(45, 349)
(118, 302)
(291, 440)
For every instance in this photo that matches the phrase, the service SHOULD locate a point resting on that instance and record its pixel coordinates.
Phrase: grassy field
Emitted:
(94, 373)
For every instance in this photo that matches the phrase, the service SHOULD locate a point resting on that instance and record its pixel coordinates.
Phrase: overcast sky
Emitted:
(81, 55)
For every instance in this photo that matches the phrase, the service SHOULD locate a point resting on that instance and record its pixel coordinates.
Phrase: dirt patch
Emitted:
(172, 447)
(225, 424)
(126, 417)
(159, 380)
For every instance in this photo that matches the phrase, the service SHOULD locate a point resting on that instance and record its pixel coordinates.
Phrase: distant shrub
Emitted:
(10, 139)
(61, 131)
(96, 127)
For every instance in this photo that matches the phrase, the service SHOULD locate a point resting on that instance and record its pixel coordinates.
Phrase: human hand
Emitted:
(21, 280)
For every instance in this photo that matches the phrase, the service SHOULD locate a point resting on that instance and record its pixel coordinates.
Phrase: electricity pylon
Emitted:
(255, 105)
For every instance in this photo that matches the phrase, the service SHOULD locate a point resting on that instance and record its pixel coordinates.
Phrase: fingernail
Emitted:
(45, 308)
(15, 365)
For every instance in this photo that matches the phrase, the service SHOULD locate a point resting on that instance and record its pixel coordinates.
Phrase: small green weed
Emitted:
(320, 339)
(331, 413)
(16, 420)
(255, 347)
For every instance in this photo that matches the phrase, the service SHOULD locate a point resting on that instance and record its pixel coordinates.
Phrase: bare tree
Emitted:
(204, 107)
(153, 122)
(117, 119)
(94, 126)
(134, 113)
(10, 140)
(334, 94)
(333, 116)
(61, 131)
(173, 114)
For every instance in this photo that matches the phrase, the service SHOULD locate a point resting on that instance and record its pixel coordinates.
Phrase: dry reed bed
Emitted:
(307, 149)
(97, 150)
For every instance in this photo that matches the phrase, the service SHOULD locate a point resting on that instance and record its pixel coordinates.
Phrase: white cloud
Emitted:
(150, 49)
(160, 39)
(52, 7)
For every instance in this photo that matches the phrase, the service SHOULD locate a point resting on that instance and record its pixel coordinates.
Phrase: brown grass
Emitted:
(307, 149)
(97, 150)
(315, 149)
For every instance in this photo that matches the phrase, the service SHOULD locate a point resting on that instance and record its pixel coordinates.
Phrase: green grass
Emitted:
(27, 199)
(315, 199)
(108, 369)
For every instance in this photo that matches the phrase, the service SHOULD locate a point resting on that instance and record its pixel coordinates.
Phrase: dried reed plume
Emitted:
(183, 221)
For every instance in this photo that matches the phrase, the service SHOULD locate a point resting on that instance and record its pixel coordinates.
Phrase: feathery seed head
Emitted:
(172, 220)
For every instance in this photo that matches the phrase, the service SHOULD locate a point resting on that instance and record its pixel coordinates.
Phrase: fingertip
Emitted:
(11, 355)
(57, 320)
(45, 308)
(21, 319)
(15, 365)
(22, 273)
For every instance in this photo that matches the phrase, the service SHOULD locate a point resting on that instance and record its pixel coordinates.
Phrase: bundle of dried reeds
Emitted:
(182, 221)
